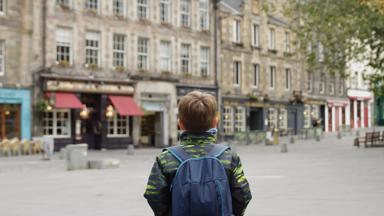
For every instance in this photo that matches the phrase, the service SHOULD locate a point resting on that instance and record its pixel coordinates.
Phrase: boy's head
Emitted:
(197, 112)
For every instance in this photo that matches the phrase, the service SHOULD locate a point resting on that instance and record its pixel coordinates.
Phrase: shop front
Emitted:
(314, 113)
(15, 114)
(98, 112)
(360, 106)
(336, 112)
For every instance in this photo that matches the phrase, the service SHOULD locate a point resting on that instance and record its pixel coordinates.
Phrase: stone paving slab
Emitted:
(329, 178)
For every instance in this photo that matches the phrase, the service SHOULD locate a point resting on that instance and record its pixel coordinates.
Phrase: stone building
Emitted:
(261, 81)
(114, 70)
(15, 68)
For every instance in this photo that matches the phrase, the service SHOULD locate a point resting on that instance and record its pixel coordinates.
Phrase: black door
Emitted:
(292, 120)
(322, 116)
(91, 127)
(256, 119)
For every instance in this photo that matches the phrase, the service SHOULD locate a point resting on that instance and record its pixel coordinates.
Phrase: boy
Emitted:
(198, 119)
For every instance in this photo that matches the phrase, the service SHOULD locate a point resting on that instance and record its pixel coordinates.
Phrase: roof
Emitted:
(234, 5)
(277, 21)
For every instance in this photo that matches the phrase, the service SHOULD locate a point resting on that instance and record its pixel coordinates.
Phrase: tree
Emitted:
(349, 30)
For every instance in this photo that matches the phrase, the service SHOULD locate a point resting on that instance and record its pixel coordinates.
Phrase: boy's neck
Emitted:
(206, 137)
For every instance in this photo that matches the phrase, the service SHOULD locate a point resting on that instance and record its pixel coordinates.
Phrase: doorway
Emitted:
(92, 126)
(256, 119)
(292, 120)
(152, 129)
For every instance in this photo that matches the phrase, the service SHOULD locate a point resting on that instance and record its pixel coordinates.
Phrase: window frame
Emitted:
(239, 119)
(63, 2)
(4, 6)
(2, 57)
(322, 83)
(228, 120)
(54, 127)
(272, 39)
(166, 57)
(143, 53)
(272, 76)
(117, 51)
(287, 42)
(332, 85)
(93, 49)
(115, 120)
(256, 75)
(309, 82)
(167, 11)
(115, 10)
(205, 53)
(185, 57)
(185, 13)
(237, 67)
(142, 9)
(255, 32)
(204, 14)
(236, 36)
(341, 86)
(89, 5)
(64, 43)
(288, 78)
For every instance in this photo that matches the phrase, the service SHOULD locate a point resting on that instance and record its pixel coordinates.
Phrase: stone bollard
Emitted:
(77, 156)
(339, 135)
(131, 149)
(283, 148)
(357, 133)
(292, 140)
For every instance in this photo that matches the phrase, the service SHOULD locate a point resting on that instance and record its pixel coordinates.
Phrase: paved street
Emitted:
(313, 179)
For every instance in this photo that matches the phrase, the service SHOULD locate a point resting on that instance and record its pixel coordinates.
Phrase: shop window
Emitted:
(204, 15)
(236, 37)
(272, 39)
(185, 58)
(185, 12)
(92, 5)
(118, 7)
(165, 56)
(92, 48)
(165, 11)
(143, 47)
(287, 42)
(272, 117)
(118, 126)
(272, 77)
(9, 121)
(283, 121)
(239, 119)
(2, 58)
(204, 61)
(307, 116)
(119, 50)
(57, 123)
(255, 35)
(256, 75)
(237, 73)
(64, 46)
(228, 120)
(142, 9)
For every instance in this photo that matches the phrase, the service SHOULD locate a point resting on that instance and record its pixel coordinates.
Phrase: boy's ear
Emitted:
(215, 121)
(181, 125)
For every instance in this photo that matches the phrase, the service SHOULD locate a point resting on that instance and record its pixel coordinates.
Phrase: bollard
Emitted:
(338, 135)
(292, 140)
(276, 137)
(357, 133)
(283, 148)
(131, 149)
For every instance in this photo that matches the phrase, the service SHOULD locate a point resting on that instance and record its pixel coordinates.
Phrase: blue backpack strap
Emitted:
(179, 153)
(217, 150)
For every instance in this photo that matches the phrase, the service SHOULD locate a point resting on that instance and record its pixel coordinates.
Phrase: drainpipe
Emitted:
(217, 41)
(44, 34)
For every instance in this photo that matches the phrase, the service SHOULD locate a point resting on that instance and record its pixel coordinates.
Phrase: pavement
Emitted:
(330, 177)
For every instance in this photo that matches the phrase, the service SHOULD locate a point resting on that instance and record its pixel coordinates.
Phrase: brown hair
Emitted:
(197, 110)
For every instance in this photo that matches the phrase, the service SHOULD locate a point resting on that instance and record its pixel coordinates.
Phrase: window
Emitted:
(288, 78)
(255, 35)
(272, 76)
(228, 120)
(309, 81)
(256, 7)
(341, 86)
(64, 45)
(165, 56)
(320, 48)
(118, 7)
(66, 3)
(185, 12)
(272, 39)
(239, 119)
(165, 11)
(332, 85)
(142, 9)
(142, 53)
(236, 31)
(118, 126)
(2, 58)
(287, 42)
(2, 7)
(204, 15)
(92, 48)
(256, 75)
(272, 117)
(119, 50)
(57, 123)
(92, 5)
(204, 61)
(322, 83)
(185, 58)
(237, 73)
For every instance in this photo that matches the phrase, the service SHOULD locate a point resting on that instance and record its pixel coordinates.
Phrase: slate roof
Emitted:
(236, 5)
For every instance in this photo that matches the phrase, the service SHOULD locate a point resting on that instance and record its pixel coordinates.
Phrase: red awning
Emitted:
(126, 106)
(66, 101)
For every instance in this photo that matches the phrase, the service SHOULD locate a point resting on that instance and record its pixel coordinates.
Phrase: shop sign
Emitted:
(181, 91)
(88, 87)
(254, 104)
(314, 102)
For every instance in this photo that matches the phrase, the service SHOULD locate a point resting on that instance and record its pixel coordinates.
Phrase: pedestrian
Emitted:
(198, 177)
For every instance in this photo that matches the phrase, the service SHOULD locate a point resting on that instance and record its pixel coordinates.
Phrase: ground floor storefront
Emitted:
(360, 106)
(336, 113)
(15, 113)
(98, 113)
